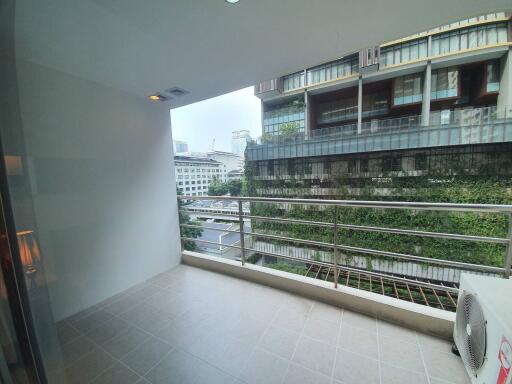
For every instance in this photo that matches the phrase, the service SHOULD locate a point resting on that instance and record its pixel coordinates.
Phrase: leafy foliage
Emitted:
(233, 187)
(217, 188)
(184, 218)
(289, 129)
(458, 191)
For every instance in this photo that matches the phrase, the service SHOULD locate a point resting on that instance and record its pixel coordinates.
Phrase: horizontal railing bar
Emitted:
(394, 255)
(441, 235)
(211, 242)
(320, 263)
(376, 274)
(453, 236)
(212, 229)
(404, 256)
(291, 221)
(366, 204)
(235, 215)
(292, 239)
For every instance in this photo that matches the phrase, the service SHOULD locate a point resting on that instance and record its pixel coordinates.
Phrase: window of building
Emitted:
(333, 70)
(337, 111)
(291, 167)
(375, 104)
(308, 167)
(492, 77)
(352, 166)
(327, 167)
(293, 81)
(408, 89)
(391, 164)
(270, 168)
(469, 38)
(445, 83)
(403, 53)
(364, 165)
(420, 162)
(274, 118)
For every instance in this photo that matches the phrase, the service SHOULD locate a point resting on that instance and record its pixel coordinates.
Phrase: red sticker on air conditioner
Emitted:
(505, 359)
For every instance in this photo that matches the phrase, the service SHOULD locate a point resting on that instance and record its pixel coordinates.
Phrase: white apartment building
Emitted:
(194, 174)
(232, 161)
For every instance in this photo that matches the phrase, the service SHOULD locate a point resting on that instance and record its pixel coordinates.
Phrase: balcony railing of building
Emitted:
(327, 253)
(273, 85)
(448, 127)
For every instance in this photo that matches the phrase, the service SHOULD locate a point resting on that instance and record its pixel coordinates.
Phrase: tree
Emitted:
(234, 187)
(184, 217)
(217, 188)
(289, 129)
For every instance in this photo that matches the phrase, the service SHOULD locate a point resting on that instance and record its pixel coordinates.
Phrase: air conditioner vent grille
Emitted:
(470, 323)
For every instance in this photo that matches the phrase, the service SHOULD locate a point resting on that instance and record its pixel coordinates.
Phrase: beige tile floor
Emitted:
(188, 325)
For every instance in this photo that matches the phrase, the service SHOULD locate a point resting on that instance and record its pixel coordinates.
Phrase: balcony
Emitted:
(446, 128)
(225, 320)
(268, 88)
(190, 325)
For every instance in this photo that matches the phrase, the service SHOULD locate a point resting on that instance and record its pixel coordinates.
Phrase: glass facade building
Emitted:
(469, 38)
(333, 70)
(404, 52)
(274, 119)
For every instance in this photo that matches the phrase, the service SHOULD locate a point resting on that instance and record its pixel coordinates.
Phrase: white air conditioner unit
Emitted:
(483, 328)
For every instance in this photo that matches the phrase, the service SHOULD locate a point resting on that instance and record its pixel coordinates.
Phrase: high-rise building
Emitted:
(429, 110)
(239, 141)
(180, 146)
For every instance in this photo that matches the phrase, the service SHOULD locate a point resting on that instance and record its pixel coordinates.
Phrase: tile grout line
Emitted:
(119, 336)
(301, 333)
(422, 357)
(378, 350)
(337, 344)
(257, 344)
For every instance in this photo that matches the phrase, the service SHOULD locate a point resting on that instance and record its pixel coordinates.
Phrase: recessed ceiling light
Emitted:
(157, 97)
(232, 1)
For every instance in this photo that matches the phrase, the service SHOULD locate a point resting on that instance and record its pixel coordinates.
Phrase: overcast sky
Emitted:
(198, 124)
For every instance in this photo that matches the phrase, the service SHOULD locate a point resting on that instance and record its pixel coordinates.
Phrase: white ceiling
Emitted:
(210, 47)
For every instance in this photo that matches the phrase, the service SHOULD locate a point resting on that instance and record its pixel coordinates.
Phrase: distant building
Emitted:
(194, 174)
(230, 160)
(239, 141)
(235, 174)
(392, 120)
(180, 146)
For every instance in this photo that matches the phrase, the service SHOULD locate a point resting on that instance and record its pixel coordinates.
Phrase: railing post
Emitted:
(508, 255)
(241, 221)
(335, 242)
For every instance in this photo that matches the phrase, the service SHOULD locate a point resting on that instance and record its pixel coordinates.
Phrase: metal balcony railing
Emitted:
(426, 280)
(451, 127)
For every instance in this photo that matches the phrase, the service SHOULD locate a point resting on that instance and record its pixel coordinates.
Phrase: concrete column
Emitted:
(307, 124)
(360, 105)
(504, 104)
(425, 106)
(427, 82)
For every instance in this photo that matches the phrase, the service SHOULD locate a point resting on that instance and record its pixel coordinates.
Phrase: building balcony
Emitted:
(269, 88)
(446, 128)
(191, 325)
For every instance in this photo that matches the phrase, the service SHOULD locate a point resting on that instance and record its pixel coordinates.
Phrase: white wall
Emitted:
(101, 168)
